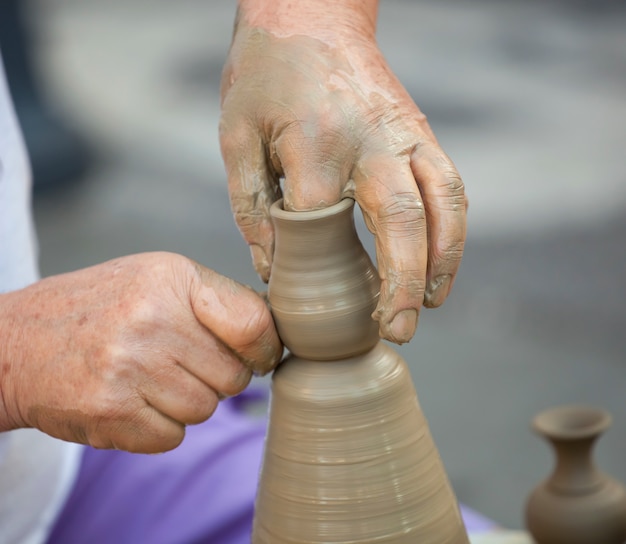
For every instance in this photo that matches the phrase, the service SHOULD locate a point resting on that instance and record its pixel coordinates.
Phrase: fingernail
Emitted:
(260, 262)
(437, 291)
(403, 325)
(243, 378)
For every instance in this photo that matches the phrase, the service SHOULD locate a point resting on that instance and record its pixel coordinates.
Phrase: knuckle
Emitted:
(109, 409)
(404, 213)
(267, 364)
(203, 408)
(448, 262)
(333, 126)
(454, 252)
(210, 405)
(114, 356)
(156, 440)
(257, 325)
(249, 210)
(259, 347)
(134, 429)
(115, 372)
(171, 440)
(267, 356)
(252, 215)
(109, 429)
(237, 383)
(454, 192)
(99, 442)
(412, 288)
(150, 433)
(448, 256)
(408, 285)
(248, 222)
(323, 136)
(402, 206)
(144, 311)
(445, 255)
(454, 184)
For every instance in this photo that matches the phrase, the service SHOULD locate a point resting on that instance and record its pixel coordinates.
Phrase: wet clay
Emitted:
(577, 504)
(323, 287)
(349, 457)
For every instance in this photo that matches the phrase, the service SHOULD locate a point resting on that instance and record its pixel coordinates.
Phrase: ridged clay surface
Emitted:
(324, 287)
(350, 459)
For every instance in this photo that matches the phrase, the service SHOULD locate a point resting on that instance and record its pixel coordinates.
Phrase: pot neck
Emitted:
(574, 471)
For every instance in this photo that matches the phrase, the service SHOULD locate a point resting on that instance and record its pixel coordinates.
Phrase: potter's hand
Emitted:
(307, 96)
(126, 353)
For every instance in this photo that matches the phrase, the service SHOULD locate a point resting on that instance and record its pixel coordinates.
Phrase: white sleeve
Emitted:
(18, 255)
(36, 471)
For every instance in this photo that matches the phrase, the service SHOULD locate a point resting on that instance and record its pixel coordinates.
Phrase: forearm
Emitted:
(324, 18)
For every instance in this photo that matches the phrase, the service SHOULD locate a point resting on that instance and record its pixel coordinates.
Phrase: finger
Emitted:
(252, 187)
(443, 192)
(179, 395)
(200, 353)
(149, 431)
(145, 430)
(239, 318)
(218, 367)
(316, 157)
(393, 209)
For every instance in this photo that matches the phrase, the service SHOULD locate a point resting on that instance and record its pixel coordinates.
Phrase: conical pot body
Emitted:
(577, 503)
(349, 458)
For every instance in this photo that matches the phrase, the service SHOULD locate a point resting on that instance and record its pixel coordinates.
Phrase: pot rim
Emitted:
(277, 211)
(571, 422)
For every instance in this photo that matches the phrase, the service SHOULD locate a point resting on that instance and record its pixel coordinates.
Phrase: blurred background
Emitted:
(528, 98)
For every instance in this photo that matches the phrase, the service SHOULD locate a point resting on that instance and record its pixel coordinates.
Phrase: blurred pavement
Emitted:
(528, 98)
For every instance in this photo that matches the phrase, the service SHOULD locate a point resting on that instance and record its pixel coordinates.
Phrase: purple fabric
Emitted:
(202, 492)
(475, 522)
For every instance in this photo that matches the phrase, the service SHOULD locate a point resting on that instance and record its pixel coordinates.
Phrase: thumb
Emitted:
(239, 317)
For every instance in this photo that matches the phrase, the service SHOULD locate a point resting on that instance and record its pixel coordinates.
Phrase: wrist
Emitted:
(323, 19)
(10, 333)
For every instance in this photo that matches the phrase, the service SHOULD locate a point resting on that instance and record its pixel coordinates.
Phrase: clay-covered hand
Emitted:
(307, 97)
(126, 353)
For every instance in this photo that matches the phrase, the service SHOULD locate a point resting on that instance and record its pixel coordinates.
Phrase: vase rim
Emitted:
(277, 211)
(571, 422)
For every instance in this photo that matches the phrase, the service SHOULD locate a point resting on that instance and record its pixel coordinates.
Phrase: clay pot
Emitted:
(323, 287)
(349, 458)
(577, 504)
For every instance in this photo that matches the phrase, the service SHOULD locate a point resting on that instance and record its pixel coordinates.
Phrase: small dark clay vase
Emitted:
(577, 504)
